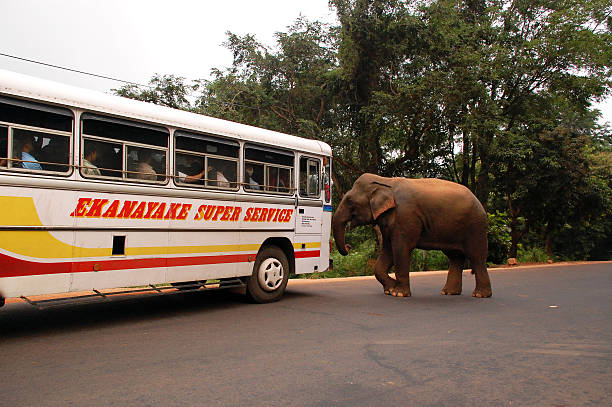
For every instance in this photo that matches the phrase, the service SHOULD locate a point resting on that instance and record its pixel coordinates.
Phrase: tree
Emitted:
(283, 89)
(166, 90)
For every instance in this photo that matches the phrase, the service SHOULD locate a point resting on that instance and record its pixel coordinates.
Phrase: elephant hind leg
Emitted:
(483, 283)
(381, 269)
(454, 279)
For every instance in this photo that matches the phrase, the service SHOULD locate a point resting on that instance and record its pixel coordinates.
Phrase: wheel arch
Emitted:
(285, 245)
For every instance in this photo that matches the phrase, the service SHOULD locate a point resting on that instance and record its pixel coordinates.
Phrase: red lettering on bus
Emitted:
(150, 208)
(139, 212)
(171, 214)
(111, 212)
(184, 212)
(210, 211)
(95, 210)
(226, 213)
(127, 208)
(248, 215)
(236, 213)
(218, 212)
(81, 207)
(200, 213)
(271, 213)
(288, 215)
(264, 212)
(255, 217)
(159, 213)
(278, 211)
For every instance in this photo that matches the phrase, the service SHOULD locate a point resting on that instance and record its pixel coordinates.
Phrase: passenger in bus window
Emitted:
(91, 156)
(197, 176)
(250, 178)
(55, 152)
(221, 179)
(110, 159)
(145, 170)
(29, 161)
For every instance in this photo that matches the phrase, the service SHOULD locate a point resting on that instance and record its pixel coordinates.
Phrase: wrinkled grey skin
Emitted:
(427, 214)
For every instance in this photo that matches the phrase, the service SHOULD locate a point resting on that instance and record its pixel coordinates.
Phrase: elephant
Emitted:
(429, 214)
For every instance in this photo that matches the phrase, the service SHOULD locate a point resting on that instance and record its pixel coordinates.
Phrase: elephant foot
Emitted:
(482, 292)
(451, 291)
(398, 291)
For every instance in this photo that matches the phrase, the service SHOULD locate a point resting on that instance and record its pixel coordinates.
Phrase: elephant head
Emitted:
(370, 197)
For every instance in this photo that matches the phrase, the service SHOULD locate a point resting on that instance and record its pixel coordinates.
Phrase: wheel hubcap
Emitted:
(270, 274)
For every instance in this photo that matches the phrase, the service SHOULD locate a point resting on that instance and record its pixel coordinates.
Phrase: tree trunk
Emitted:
(548, 244)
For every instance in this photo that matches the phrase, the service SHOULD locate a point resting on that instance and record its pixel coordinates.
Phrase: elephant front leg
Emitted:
(401, 259)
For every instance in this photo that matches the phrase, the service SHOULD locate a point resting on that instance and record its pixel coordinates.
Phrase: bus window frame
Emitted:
(124, 144)
(12, 160)
(310, 158)
(215, 139)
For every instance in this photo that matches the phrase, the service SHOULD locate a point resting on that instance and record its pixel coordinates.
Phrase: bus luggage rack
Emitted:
(174, 288)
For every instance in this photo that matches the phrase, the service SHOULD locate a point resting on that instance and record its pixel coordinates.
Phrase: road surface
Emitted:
(543, 339)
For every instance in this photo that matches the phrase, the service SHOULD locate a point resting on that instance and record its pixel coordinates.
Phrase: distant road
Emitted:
(543, 339)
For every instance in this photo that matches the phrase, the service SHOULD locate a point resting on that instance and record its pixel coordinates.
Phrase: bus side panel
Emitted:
(203, 255)
(35, 245)
(31, 285)
(142, 263)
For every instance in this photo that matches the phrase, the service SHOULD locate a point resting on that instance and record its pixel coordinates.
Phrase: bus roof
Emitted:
(15, 84)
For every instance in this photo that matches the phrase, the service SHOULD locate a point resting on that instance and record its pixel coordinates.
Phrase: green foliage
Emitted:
(166, 90)
(499, 237)
(531, 255)
(360, 262)
(424, 260)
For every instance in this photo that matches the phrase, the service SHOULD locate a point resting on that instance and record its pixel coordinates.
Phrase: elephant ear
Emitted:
(381, 199)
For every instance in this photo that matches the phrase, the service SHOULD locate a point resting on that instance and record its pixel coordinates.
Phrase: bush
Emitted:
(423, 260)
(499, 237)
(531, 255)
(360, 262)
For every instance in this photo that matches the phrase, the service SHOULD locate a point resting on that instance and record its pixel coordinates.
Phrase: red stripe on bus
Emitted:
(12, 267)
(302, 255)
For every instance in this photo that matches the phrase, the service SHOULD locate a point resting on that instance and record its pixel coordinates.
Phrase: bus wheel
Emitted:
(270, 276)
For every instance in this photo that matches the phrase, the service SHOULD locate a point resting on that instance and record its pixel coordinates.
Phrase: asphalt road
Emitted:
(543, 339)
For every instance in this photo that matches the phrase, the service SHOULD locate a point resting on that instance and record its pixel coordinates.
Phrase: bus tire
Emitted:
(270, 276)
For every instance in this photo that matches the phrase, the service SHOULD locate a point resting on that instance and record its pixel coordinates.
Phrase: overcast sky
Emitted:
(134, 39)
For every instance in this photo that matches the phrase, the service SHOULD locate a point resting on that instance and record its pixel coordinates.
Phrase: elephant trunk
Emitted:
(341, 218)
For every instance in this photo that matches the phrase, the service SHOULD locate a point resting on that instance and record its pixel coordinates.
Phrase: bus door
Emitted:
(309, 212)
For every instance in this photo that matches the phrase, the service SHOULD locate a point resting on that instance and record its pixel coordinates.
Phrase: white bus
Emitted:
(101, 192)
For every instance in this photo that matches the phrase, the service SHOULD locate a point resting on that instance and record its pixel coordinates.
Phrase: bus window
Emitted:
(268, 170)
(207, 161)
(309, 177)
(116, 148)
(39, 136)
